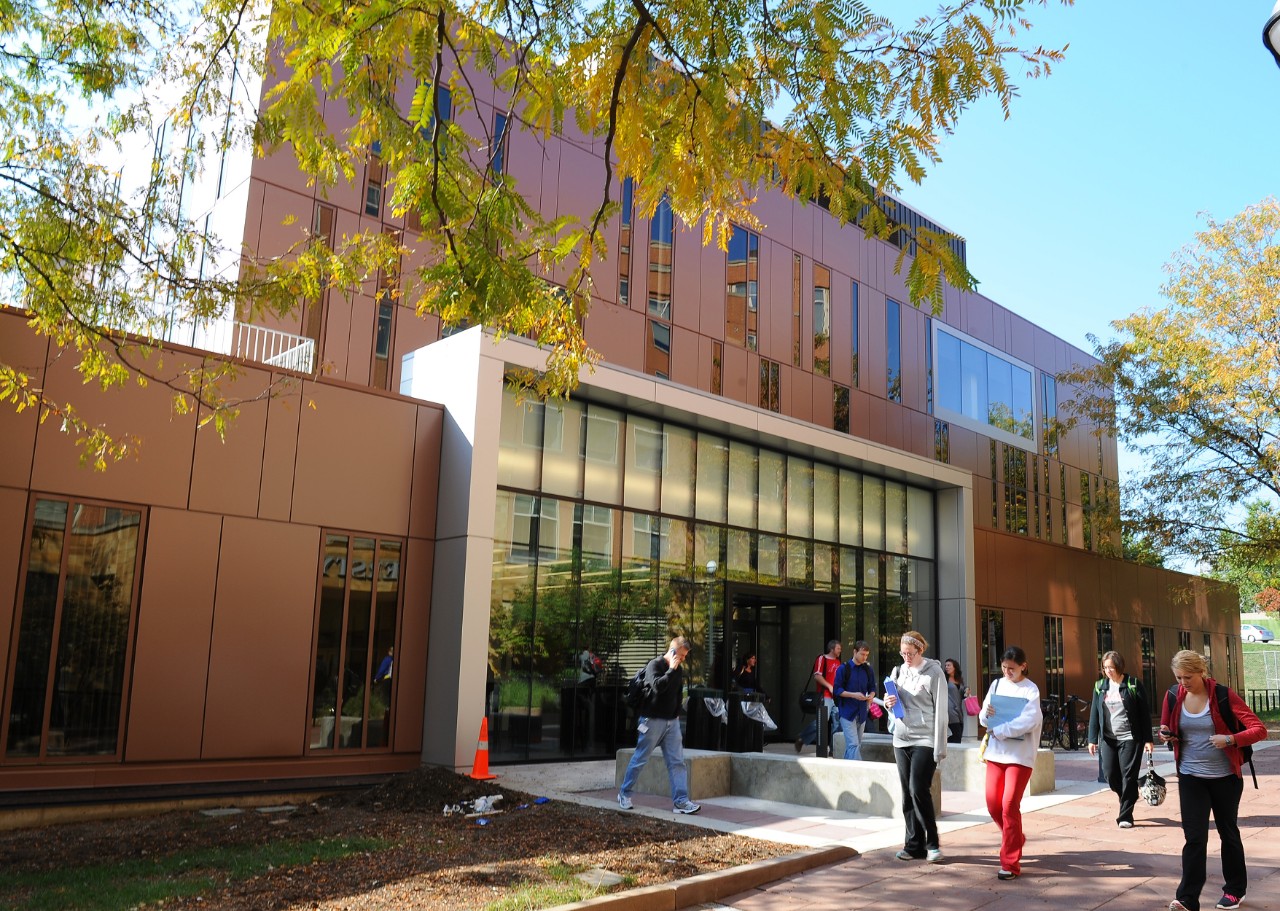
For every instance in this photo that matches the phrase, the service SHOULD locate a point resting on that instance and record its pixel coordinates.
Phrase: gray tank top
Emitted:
(1199, 757)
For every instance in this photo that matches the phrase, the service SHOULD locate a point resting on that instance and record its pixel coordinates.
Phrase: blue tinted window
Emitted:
(893, 350)
(499, 142)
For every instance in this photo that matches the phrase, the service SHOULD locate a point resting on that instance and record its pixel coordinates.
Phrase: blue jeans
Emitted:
(852, 730)
(810, 733)
(665, 733)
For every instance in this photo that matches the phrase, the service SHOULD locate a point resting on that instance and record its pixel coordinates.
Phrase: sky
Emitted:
(1161, 111)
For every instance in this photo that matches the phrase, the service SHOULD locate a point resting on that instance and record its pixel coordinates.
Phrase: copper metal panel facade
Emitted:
(260, 652)
(175, 619)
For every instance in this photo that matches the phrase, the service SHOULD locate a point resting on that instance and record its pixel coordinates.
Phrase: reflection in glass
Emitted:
(678, 478)
(799, 496)
(562, 467)
(92, 551)
(520, 442)
(644, 463)
(713, 467)
(773, 480)
(873, 513)
(826, 501)
(603, 465)
(895, 517)
(743, 478)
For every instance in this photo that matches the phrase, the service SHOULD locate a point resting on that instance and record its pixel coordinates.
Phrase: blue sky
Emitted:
(1072, 207)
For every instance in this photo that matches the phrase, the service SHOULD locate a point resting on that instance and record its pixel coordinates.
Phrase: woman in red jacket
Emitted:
(1206, 751)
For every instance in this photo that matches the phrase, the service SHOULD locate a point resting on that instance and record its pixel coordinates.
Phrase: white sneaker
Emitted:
(1125, 824)
(688, 808)
(624, 801)
(933, 856)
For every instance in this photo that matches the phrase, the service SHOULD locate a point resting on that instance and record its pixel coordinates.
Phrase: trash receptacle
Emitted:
(746, 734)
(702, 729)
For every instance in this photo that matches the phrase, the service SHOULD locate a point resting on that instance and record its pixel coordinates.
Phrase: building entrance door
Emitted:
(786, 629)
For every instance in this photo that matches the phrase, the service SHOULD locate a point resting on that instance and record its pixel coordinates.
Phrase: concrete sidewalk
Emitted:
(1076, 856)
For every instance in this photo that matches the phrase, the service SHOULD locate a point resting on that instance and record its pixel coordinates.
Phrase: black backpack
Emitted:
(635, 693)
(1222, 695)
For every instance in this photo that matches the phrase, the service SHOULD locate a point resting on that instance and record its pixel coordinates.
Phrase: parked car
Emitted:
(1250, 632)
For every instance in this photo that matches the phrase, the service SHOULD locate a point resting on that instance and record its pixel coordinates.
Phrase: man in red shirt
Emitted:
(824, 678)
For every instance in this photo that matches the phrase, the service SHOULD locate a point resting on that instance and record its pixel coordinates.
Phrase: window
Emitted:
(893, 350)
(384, 324)
(352, 689)
(982, 388)
(797, 331)
(770, 393)
(1015, 489)
(992, 645)
(743, 282)
(443, 107)
(322, 222)
(624, 243)
(1049, 428)
(1055, 679)
(1148, 635)
(1207, 651)
(853, 335)
(1086, 509)
(74, 626)
(840, 408)
(1106, 640)
(717, 368)
(928, 366)
(373, 196)
(942, 441)
(658, 351)
(498, 157)
(661, 238)
(373, 182)
(995, 487)
(821, 320)
(1184, 640)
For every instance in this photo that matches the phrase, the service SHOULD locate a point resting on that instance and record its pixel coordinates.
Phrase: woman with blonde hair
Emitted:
(1206, 751)
(919, 743)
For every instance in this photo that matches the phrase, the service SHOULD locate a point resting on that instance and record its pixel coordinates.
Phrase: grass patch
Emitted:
(128, 884)
(565, 889)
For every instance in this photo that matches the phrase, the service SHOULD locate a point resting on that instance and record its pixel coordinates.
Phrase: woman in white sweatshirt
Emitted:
(919, 743)
(1011, 714)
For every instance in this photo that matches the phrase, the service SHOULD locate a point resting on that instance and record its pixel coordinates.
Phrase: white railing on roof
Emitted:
(273, 347)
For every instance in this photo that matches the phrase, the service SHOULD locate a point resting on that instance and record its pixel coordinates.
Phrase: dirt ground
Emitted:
(435, 862)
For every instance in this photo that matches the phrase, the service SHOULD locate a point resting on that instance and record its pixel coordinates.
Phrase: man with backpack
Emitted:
(658, 725)
(855, 687)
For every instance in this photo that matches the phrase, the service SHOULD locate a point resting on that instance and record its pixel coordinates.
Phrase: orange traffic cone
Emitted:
(480, 768)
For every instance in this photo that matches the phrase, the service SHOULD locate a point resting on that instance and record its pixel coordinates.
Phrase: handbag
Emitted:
(1152, 787)
(809, 698)
(982, 747)
(971, 705)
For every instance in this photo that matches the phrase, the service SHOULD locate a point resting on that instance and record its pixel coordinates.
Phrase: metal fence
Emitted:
(1263, 700)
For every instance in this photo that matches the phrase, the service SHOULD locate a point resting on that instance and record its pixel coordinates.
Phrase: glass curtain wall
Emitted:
(614, 532)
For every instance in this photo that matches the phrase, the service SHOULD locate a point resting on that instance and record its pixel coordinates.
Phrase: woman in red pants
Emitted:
(1011, 715)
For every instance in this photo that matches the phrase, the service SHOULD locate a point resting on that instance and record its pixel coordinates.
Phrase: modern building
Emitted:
(776, 450)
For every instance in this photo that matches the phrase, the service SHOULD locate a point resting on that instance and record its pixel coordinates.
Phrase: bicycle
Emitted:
(1068, 733)
(1049, 726)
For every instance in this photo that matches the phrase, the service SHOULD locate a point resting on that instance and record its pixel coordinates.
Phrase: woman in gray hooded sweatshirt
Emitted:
(919, 743)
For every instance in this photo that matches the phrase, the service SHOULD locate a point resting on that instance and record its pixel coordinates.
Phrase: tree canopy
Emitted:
(1197, 396)
(707, 105)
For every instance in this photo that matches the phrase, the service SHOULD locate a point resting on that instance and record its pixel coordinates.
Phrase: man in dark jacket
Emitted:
(659, 726)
